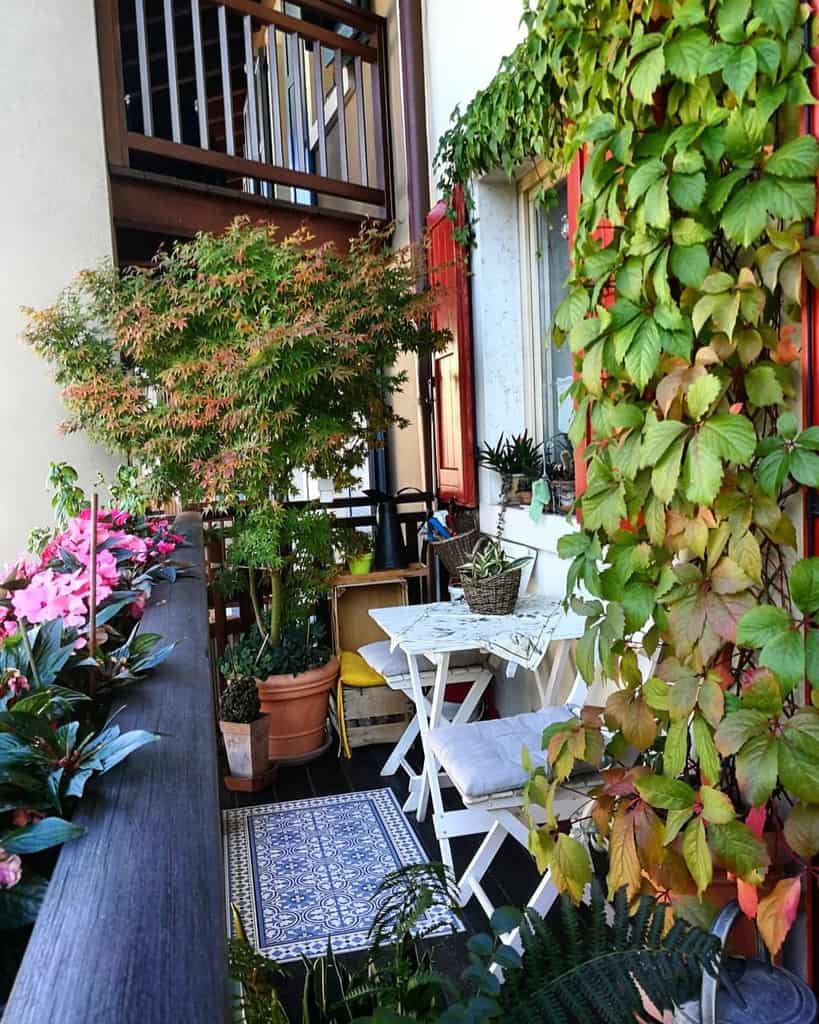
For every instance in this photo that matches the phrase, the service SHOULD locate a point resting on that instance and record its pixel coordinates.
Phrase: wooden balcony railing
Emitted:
(134, 925)
(284, 100)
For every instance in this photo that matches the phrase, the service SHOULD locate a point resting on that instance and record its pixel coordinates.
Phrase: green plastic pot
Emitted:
(361, 565)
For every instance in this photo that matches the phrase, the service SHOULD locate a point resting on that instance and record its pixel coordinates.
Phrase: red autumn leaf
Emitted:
(777, 912)
(756, 820)
(748, 898)
(787, 351)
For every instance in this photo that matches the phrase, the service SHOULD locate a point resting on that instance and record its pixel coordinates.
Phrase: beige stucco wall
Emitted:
(406, 445)
(54, 217)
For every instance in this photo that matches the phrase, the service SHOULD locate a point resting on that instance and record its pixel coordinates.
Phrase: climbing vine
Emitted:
(683, 313)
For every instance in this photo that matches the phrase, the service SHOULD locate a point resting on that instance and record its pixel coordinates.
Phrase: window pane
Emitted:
(552, 270)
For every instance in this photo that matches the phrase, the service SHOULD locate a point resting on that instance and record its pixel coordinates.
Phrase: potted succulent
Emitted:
(559, 471)
(518, 461)
(287, 553)
(244, 729)
(356, 549)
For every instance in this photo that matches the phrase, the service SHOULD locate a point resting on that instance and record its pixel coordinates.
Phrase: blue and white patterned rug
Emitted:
(306, 871)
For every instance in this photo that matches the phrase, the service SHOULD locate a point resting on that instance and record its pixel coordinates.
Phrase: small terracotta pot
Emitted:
(297, 706)
(246, 747)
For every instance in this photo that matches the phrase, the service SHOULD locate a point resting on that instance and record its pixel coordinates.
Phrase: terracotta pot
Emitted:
(246, 747)
(297, 706)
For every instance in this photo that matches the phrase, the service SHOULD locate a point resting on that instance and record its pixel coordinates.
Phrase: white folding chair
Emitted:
(482, 760)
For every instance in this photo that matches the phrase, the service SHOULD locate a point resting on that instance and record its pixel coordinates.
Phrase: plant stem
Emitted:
(275, 607)
(254, 600)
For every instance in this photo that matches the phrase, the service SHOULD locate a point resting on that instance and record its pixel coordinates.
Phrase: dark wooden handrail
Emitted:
(286, 23)
(255, 169)
(133, 925)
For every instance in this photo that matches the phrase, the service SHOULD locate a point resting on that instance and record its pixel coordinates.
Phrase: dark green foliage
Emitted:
(240, 701)
(302, 647)
(516, 455)
(585, 972)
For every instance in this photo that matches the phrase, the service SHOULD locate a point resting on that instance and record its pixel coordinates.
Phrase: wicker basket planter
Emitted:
(495, 595)
(456, 551)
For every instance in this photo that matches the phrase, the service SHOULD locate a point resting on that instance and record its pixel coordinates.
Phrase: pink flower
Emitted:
(165, 548)
(11, 869)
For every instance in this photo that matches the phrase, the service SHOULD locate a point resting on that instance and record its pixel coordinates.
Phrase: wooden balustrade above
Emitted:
(215, 108)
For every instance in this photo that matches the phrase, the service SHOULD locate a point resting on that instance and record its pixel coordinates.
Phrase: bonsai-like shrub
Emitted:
(292, 550)
(240, 701)
(238, 358)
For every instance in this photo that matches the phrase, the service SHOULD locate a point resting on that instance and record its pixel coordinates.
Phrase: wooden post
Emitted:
(92, 593)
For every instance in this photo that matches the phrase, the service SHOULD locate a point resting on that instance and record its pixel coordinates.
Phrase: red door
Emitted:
(454, 405)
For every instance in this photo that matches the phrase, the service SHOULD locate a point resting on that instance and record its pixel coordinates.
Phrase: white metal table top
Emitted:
(449, 626)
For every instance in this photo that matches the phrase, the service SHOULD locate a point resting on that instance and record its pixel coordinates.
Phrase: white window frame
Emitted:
(535, 395)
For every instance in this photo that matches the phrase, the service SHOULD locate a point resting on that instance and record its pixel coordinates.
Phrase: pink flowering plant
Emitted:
(52, 682)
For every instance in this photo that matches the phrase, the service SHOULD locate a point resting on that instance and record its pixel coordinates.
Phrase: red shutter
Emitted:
(454, 394)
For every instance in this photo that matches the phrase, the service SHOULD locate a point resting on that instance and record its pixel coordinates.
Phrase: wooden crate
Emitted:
(372, 714)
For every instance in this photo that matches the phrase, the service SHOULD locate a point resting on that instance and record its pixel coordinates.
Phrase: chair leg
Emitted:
(469, 883)
(399, 751)
(541, 901)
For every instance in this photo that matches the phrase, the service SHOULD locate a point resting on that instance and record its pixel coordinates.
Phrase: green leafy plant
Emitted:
(240, 701)
(683, 314)
(490, 560)
(517, 455)
(300, 648)
(353, 543)
(239, 358)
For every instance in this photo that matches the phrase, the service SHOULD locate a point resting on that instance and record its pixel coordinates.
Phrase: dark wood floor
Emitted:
(510, 881)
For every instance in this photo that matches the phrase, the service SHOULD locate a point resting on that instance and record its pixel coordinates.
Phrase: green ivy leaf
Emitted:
(645, 175)
(739, 69)
(737, 728)
(666, 472)
(647, 75)
(666, 793)
(759, 626)
(757, 769)
(738, 850)
(763, 387)
(798, 158)
(687, 190)
(804, 585)
(746, 215)
(696, 854)
(702, 471)
(784, 655)
(706, 749)
(676, 749)
(780, 14)
(690, 263)
(684, 54)
(732, 437)
(804, 467)
(657, 210)
(572, 309)
(772, 471)
(702, 394)
(716, 805)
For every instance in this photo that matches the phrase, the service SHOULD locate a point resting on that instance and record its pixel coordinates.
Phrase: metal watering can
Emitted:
(390, 552)
(748, 991)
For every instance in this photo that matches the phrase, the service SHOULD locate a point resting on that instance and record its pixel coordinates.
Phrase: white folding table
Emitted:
(440, 630)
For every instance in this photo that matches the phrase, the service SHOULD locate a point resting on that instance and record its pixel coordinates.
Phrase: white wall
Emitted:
(54, 213)
(464, 41)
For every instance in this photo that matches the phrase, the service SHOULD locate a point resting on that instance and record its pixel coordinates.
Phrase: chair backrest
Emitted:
(514, 549)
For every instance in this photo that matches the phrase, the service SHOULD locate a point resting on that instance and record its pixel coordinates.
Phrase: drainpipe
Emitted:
(417, 155)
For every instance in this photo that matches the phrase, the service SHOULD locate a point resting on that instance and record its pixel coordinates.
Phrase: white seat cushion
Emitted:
(394, 663)
(484, 758)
